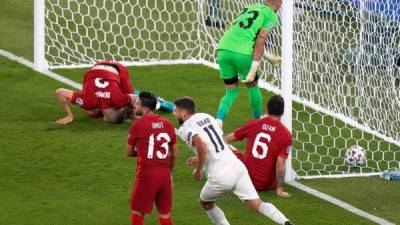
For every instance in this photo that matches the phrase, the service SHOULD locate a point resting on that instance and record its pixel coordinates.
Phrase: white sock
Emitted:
(272, 212)
(217, 216)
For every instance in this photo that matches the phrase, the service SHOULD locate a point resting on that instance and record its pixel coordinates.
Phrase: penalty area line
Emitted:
(48, 73)
(339, 203)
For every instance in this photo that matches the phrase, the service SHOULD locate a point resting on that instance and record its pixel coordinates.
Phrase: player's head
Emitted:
(274, 4)
(146, 102)
(184, 108)
(276, 106)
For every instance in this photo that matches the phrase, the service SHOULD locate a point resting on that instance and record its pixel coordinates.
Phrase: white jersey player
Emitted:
(225, 172)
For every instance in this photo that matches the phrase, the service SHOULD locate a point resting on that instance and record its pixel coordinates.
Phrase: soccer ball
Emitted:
(355, 156)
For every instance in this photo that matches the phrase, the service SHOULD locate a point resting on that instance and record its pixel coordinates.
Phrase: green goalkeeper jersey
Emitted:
(242, 34)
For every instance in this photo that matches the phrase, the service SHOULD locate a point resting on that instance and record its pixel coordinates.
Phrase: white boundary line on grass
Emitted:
(295, 184)
(340, 203)
(48, 73)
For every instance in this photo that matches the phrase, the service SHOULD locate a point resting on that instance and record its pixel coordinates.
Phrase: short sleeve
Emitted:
(186, 133)
(243, 132)
(270, 21)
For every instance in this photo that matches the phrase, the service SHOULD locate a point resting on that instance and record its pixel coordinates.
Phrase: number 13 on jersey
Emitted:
(164, 139)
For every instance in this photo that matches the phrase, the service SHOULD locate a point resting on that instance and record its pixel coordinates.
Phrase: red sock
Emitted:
(136, 219)
(165, 221)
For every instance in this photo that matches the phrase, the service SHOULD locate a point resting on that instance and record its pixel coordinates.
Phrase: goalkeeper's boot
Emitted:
(288, 223)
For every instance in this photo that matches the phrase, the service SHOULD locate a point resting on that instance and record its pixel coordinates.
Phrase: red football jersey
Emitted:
(154, 137)
(125, 82)
(267, 139)
(101, 89)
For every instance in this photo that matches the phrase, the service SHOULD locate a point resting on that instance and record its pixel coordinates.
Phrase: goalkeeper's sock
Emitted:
(270, 211)
(226, 102)
(255, 99)
(217, 216)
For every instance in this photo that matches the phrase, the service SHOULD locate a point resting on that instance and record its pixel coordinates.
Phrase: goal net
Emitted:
(345, 64)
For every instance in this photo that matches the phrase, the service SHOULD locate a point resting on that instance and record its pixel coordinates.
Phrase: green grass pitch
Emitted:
(78, 174)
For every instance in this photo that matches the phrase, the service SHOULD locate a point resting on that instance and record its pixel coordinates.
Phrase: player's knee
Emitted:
(164, 215)
(206, 205)
(59, 91)
(137, 213)
(254, 204)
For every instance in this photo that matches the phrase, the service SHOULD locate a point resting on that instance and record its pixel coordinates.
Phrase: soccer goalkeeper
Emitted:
(240, 51)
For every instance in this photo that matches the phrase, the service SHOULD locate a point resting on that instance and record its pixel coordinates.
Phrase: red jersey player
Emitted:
(106, 91)
(268, 145)
(152, 139)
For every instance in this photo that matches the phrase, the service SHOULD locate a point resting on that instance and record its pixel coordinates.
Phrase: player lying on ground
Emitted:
(268, 146)
(240, 51)
(107, 91)
(152, 139)
(225, 172)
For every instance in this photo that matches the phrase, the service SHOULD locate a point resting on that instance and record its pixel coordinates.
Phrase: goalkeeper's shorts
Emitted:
(233, 64)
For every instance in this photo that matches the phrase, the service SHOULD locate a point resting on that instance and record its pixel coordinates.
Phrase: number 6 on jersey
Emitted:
(263, 145)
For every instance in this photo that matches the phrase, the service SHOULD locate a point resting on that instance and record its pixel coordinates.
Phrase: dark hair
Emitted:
(186, 103)
(148, 100)
(275, 105)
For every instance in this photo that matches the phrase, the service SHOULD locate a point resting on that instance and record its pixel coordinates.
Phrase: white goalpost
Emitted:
(339, 76)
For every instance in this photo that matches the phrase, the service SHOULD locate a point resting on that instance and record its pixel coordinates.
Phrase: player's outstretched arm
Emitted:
(64, 96)
(258, 53)
(230, 138)
(280, 177)
(201, 149)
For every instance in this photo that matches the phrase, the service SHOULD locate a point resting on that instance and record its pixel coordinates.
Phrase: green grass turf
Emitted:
(16, 27)
(78, 174)
(49, 184)
(374, 195)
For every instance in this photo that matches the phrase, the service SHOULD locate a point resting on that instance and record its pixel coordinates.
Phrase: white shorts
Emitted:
(235, 179)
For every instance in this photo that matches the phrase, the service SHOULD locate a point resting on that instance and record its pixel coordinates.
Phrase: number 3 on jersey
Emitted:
(254, 14)
(259, 143)
(164, 139)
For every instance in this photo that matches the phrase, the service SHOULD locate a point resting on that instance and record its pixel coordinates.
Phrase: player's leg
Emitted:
(228, 74)
(254, 92)
(142, 198)
(64, 97)
(209, 194)
(255, 98)
(268, 210)
(216, 215)
(245, 190)
(163, 199)
(137, 218)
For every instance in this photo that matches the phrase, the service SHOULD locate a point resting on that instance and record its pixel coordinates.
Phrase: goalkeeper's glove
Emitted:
(252, 73)
(274, 60)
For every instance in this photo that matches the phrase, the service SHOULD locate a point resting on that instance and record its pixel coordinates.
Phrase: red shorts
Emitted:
(152, 186)
(101, 93)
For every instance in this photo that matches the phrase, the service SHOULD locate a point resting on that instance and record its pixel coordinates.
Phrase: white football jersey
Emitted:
(211, 134)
